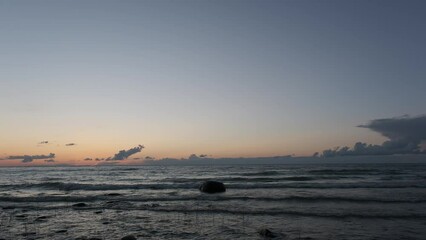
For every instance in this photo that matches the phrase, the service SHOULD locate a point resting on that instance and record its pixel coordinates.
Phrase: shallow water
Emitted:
(365, 201)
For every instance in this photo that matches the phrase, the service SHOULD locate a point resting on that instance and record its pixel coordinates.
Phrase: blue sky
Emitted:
(226, 78)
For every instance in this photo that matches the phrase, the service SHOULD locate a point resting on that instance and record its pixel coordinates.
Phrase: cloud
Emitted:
(49, 160)
(43, 142)
(30, 158)
(195, 156)
(88, 159)
(149, 158)
(70, 144)
(124, 154)
(99, 159)
(405, 128)
(405, 135)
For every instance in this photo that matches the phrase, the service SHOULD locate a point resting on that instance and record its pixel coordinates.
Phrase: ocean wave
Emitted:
(354, 171)
(363, 215)
(303, 185)
(275, 179)
(218, 198)
(62, 186)
(126, 206)
(67, 186)
(343, 171)
(254, 179)
(262, 173)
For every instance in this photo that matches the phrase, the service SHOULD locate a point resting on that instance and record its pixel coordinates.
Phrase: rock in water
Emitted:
(129, 237)
(79, 205)
(212, 187)
(8, 207)
(113, 194)
(266, 233)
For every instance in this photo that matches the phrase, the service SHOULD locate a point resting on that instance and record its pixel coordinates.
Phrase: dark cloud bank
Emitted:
(30, 158)
(405, 135)
(287, 160)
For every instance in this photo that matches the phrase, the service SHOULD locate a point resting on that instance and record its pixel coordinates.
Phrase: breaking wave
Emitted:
(62, 186)
(119, 197)
(125, 206)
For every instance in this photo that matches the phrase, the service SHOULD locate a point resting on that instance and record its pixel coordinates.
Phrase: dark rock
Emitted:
(41, 218)
(129, 237)
(79, 205)
(212, 187)
(266, 233)
(8, 207)
(98, 212)
(113, 194)
(62, 231)
(86, 238)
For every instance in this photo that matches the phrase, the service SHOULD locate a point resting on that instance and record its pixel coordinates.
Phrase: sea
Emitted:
(286, 201)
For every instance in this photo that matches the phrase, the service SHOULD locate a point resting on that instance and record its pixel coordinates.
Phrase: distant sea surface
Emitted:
(307, 201)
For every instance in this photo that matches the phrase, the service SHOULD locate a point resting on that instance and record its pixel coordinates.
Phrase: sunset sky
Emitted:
(221, 78)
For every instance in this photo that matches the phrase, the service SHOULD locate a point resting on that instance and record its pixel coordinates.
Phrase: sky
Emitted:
(88, 79)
